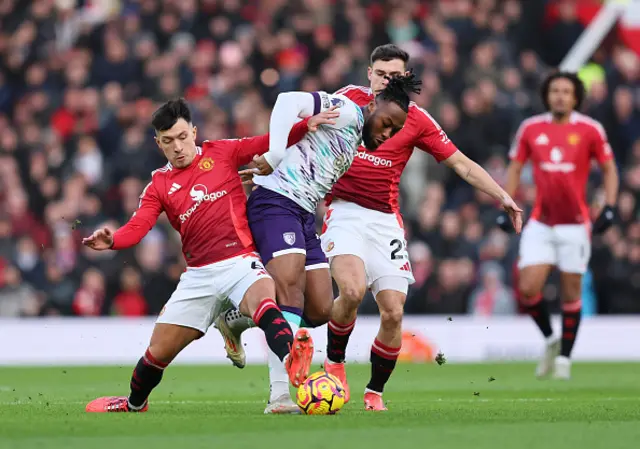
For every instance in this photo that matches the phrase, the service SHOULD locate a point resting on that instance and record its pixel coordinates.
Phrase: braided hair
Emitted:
(399, 88)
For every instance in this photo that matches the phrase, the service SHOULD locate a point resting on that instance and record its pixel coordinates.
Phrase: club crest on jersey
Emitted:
(289, 238)
(542, 139)
(206, 164)
(573, 139)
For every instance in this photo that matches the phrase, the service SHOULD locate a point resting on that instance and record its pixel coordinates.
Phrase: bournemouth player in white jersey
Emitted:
(560, 145)
(363, 234)
(291, 183)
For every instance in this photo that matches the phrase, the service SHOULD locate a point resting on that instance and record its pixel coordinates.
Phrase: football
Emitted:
(320, 394)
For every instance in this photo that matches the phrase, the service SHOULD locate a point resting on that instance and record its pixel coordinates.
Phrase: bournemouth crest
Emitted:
(289, 238)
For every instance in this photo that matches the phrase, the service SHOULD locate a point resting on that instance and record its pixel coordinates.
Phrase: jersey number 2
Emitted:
(397, 245)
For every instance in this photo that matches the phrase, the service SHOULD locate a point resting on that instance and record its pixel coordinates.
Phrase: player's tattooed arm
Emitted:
(478, 177)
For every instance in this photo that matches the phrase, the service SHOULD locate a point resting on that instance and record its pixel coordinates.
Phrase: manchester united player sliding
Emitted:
(363, 235)
(201, 193)
(560, 145)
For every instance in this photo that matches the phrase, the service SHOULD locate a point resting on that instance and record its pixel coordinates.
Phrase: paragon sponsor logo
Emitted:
(199, 195)
(375, 160)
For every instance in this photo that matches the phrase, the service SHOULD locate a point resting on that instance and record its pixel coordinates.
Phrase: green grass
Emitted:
(430, 406)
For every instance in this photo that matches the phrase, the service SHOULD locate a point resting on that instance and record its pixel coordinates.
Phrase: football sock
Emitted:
(571, 312)
(277, 331)
(337, 339)
(146, 376)
(383, 361)
(538, 309)
(278, 377)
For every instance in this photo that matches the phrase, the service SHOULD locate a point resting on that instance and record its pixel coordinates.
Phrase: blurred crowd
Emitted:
(80, 79)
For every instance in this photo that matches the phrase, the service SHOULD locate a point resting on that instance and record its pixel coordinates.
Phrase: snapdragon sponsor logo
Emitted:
(375, 160)
(199, 194)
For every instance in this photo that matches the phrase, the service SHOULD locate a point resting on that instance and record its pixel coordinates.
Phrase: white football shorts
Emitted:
(204, 292)
(566, 246)
(375, 237)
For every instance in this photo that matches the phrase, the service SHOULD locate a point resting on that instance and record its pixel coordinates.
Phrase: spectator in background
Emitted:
(79, 80)
(492, 297)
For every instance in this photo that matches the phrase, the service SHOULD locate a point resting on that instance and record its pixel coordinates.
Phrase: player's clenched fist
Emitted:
(100, 240)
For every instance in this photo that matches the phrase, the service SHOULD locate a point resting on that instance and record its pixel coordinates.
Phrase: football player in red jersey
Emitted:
(363, 235)
(201, 193)
(560, 145)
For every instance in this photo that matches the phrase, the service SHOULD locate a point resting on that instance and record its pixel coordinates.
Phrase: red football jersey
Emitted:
(205, 202)
(561, 156)
(373, 180)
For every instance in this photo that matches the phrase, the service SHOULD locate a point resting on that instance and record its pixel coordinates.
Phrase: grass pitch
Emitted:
(450, 406)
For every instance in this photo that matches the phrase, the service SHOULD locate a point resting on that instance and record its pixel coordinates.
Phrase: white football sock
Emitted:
(278, 376)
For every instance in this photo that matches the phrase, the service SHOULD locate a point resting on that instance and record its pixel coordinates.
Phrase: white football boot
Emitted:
(282, 405)
(232, 340)
(546, 364)
(562, 368)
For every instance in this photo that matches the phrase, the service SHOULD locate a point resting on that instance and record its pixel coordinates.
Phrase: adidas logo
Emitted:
(174, 188)
(406, 267)
(542, 139)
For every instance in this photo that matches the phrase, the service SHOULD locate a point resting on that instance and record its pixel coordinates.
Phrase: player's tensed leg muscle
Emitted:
(349, 273)
(318, 297)
(570, 294)
(289, 275)
(386, 347)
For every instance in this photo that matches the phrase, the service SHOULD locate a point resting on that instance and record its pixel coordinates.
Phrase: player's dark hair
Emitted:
(578, 88)
(169, 113)
(398, 90)
(389, 52)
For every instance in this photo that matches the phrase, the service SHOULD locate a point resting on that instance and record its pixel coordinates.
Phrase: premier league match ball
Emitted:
(320, 394)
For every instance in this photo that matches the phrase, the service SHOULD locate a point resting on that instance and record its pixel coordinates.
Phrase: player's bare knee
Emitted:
(352, 294)
(391, 318)
(570, 287)
(529, 288)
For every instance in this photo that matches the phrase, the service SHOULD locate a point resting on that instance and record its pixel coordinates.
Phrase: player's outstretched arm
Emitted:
(481, 180)
(134, 230)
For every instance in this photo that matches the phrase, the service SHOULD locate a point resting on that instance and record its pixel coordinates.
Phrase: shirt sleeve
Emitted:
(141, 222)
(520, 150)
(244, 149)
(600, 148)
(289, 108)
(347, 108)
(433, 139)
